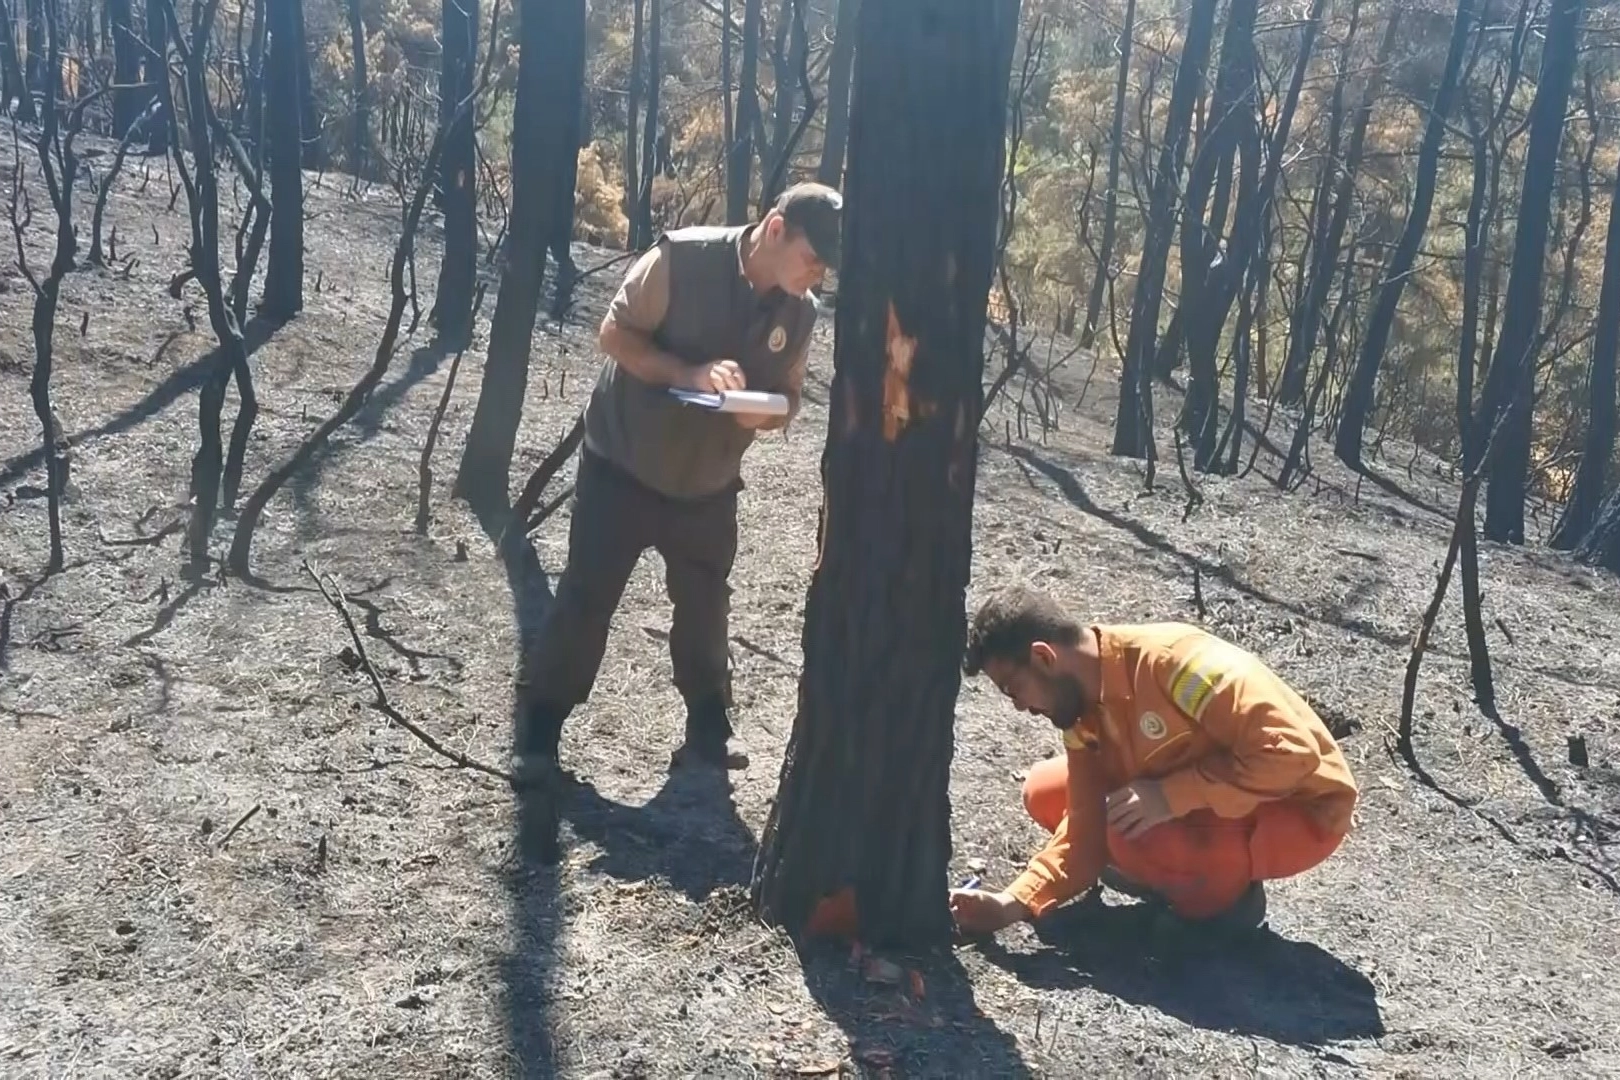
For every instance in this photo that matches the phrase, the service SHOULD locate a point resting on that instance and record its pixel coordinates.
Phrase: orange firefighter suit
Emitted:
(1257, 785)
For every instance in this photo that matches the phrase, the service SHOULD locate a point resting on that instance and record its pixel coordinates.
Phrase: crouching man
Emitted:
(1191, 773)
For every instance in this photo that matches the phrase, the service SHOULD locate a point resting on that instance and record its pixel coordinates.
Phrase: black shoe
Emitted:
(708, 737)
(1243, 918)
(1118, 882)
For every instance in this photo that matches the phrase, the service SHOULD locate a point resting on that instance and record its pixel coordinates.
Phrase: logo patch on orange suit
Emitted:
(778, 338)
(1153, 726)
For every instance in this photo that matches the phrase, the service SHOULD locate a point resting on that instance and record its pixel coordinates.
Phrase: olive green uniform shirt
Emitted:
(689, 294)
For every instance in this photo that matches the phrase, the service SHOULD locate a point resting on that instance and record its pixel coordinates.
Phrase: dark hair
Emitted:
(1011, 620)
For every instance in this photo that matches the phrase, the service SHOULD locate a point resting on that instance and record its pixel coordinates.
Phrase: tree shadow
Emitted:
(1392, 487)
(529, 969)
(176, 385)
(365, 424)
(941, 1033)
(1075, 492)
(1267, 986)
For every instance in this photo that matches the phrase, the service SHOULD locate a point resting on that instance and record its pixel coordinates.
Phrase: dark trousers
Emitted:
(615, 519)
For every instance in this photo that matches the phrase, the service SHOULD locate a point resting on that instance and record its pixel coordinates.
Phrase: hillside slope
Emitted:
(216, 860)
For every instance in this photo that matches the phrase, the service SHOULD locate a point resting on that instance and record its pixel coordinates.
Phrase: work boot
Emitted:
(708, 737)
(1246, 915)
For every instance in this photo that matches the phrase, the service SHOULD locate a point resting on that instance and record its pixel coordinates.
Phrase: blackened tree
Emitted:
(862, 817)
(551, 79)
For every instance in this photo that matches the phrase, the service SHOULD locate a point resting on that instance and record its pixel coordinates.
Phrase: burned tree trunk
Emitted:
(202, 200)
(155, 73)
(632, 125)
(284, 276)
(1358, 398)
(740, 161)
(1330, 212)
(59, 165)
(1116, 140)
(1133, 423)
(1581, 510)
(361, 151)
(641, 225)
(551, 79)
(1232, 128)
(13, 79)
(839, 68)
(1509, 385)
(458, 177)
(1601, 545)
(862, 816)
(127, 98)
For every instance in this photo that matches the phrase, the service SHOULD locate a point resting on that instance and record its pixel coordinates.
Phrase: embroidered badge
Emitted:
(1152, 725)
(778, 339)
(1193, 683)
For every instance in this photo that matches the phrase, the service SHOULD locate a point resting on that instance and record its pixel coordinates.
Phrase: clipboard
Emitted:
(757, 402)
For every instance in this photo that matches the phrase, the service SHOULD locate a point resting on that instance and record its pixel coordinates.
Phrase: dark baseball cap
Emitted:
(817, 211)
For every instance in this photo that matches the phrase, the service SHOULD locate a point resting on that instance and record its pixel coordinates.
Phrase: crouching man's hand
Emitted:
(980, 911)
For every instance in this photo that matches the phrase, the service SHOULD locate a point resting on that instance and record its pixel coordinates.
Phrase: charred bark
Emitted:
(740, 160)
(59, 166)
(1581, 511)
(1133, 423)
(1358, 400)
(1116, 141)
(284, 276)
(839, 69)
(361, 151)
(202, 201)
(641, 224)
(13, 79)
(551, 78)
(128, 101)
(1510, 384)
(861, 821)
(458, 177)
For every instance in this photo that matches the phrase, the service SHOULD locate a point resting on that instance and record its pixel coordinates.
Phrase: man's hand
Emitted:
(1137, 807)
(980, 911)
(716, 378)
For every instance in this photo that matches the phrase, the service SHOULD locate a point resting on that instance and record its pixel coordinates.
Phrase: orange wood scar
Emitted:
(896, 378)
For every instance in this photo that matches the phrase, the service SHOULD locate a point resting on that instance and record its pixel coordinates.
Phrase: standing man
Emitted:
(705, 309)
(1191, 773)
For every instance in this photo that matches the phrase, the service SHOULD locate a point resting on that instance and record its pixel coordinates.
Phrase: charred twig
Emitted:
(424, 469)
(536, 486)
(241, 821)
(334, 597)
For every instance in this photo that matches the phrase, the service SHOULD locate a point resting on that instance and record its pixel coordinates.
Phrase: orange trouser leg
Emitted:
(1200, 863)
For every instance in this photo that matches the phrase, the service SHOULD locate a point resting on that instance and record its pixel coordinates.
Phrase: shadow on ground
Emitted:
(529, 970)
(176, 385)
(1291, 992)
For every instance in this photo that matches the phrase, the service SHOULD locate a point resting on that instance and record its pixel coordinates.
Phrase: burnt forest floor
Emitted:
(377, 913)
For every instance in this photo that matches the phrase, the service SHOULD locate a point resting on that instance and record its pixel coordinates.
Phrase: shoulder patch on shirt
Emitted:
(1153, 726)
(778, 338)
(1193, 682)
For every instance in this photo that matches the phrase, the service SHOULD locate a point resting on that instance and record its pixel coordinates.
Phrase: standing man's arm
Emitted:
(636, 312)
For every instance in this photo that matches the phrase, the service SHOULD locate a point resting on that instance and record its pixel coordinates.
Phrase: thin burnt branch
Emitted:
(334, 596)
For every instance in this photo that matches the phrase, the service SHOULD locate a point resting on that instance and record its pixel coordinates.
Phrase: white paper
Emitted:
(736, 401)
